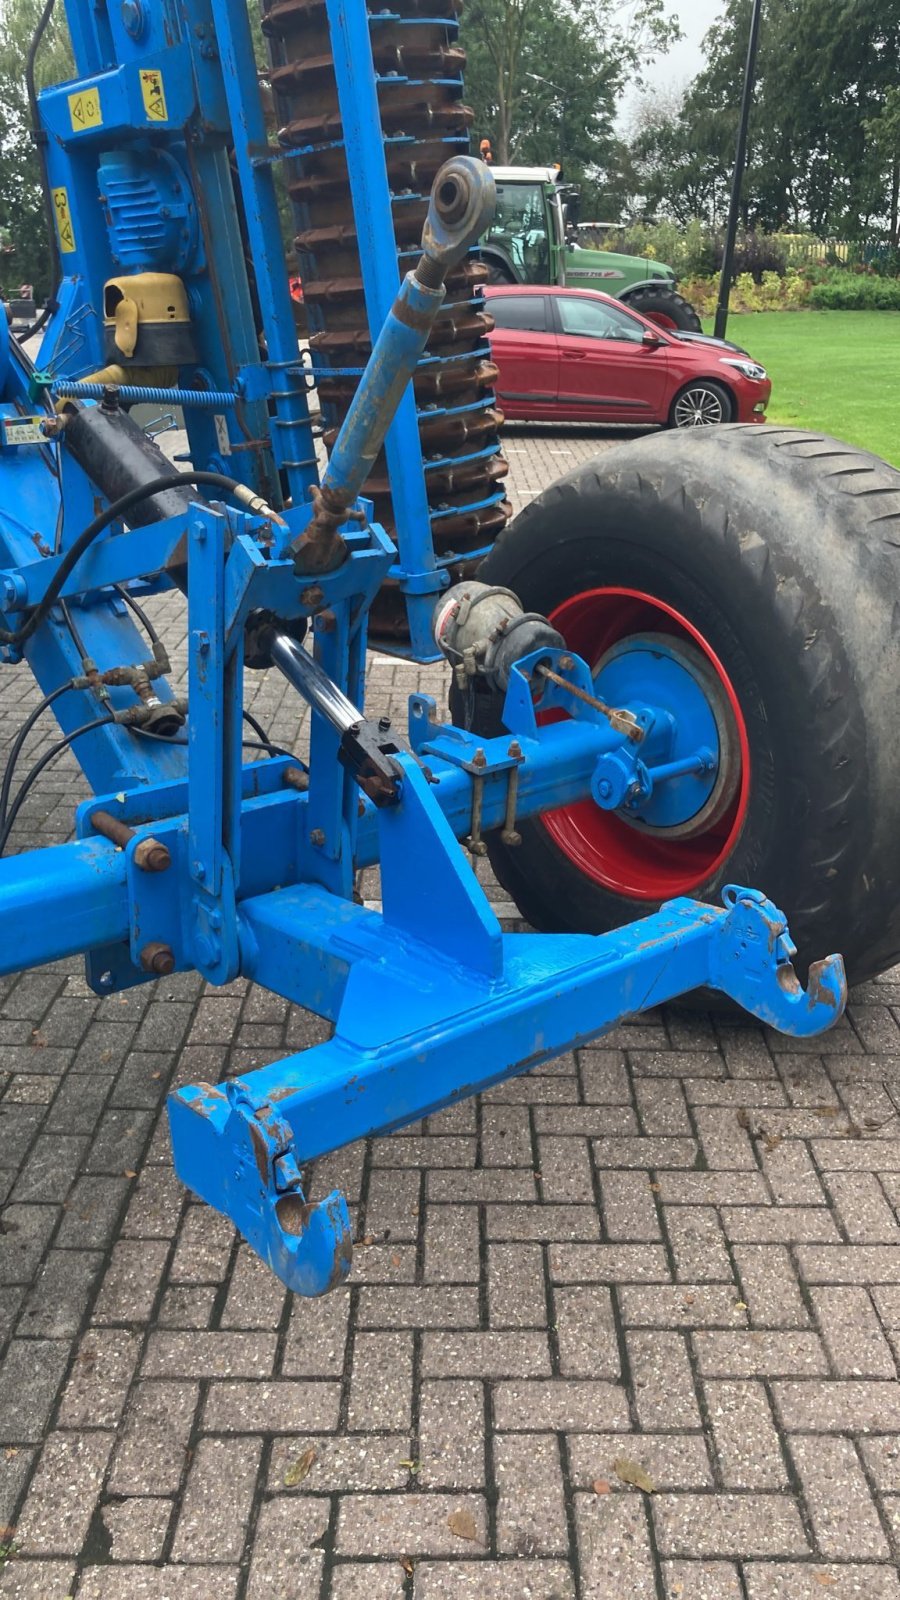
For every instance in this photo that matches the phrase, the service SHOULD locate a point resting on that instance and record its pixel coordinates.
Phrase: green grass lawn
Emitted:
(835, 370)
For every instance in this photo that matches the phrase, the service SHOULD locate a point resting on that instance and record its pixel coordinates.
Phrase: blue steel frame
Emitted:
(430, 1001)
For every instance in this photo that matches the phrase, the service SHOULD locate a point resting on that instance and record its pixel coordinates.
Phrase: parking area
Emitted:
(626, 1328)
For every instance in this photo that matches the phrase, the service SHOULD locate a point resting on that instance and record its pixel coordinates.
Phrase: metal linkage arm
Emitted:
(462, 205)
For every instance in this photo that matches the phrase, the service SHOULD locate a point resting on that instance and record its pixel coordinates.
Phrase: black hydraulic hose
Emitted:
(138, 611)
(118, 508)
(37, 769)
(18, 742)
(40, 143)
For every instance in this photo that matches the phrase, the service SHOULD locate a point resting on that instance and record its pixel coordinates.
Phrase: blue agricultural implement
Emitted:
(670, 674)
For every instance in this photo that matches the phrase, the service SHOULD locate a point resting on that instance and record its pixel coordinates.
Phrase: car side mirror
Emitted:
(651, 340)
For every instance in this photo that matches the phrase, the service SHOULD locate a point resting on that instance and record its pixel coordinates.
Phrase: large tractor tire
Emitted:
(666, 307)
(769, 562)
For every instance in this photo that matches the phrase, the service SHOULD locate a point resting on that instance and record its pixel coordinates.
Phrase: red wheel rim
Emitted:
(632, 863)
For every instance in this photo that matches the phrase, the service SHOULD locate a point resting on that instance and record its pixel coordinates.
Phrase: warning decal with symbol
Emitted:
(154, 95)
(85, 110)
(64, 221)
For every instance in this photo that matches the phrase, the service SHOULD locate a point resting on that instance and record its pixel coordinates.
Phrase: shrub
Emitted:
(849, 291)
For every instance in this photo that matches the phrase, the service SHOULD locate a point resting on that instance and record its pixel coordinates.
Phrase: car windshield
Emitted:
(520, 228)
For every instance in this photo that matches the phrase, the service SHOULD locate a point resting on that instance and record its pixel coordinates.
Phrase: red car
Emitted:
(574, 355)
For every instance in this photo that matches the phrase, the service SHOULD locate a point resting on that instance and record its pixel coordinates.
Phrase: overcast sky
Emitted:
(685, 59)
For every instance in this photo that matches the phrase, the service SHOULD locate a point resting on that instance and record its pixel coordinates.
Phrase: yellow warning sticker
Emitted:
(154, 95)
(85, 110)
(64, 221)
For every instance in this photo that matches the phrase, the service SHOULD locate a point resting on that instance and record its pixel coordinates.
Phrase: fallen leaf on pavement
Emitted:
(632, 1472)
(299, 1469)
(601, 1486)
(407, 1565)
(463, 1524)
(825, 1579)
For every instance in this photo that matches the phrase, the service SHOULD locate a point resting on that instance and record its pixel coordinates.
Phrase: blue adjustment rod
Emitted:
(461, 208)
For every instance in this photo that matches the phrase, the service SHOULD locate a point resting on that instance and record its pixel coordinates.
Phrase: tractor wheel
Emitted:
(497, 274)
(766, 561)
(666, 307)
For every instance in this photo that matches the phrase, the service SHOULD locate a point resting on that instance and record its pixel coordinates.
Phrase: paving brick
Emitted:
(282, 1406)
(60, 1500)
(24, 1235)
(586, 1121)
(216, 1504)
(36, 1580)
(483, 1580)
(50, 1169)
(672, 1460)
(604, 1077)
(15, 1466)
(506, 1136)
(204, 1248)
(852, 1333)
(713, 1188)
(30, 1376)
(381, 1382)
(683, 1305)
(104, 1364)
(628, 1209)
(187, 1305)
(152, 1449)
(367, 1580)
(645, 1152)
(586, 1333)
(760, 1354)
(531, 1509)
(408, 1524)
(745, 1435)
(155, 1207)
(255, 1296)
(861, 1263)
(56, 1305)
(317, 1336)
(209, 1355)
(609, 1263)
(698, 1245)
(451, 1434)
(404, 1150)
(137, 1528)
(128, 1582)
(882, 1461)
(452, 1242)
(500, 1184)
(284, 1564)
(131, 1282)
(664, 1394)
(542, 1223)
(791, 1175)
(810, 1581)
(779, 1224)
(517, 1294)
(565, 1166)
(845, 1522)
(702, 1580)
(434, 1306)
(661, 1106)
(560, 1403)
(769, 1286)
(490, 1354)
(393, 1202)
(862, 1209)
(615, 1557)
(342, 1464)
(838, 1406)
(728, 1525)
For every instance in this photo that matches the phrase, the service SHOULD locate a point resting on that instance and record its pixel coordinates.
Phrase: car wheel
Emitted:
(702, 404)
(786, 621)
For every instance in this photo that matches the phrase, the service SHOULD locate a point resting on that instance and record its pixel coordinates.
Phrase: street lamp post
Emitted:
(740, 161)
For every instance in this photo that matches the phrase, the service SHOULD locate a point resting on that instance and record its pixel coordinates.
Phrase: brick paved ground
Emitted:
(679, 1250)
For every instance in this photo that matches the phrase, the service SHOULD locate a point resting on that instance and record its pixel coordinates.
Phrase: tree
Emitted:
(545, 76)
(22, 220)
(823, 150)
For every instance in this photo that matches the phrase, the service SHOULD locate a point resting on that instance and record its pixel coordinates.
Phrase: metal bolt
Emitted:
(317, 838)
(384, 724)
(479, 759)
(159, 959)
(296, 778)
(9, 592)
(152, 856)
(198, 871)
(515, 751)
(566, 663)
(604, 788)
(203, 643)
(214, 918)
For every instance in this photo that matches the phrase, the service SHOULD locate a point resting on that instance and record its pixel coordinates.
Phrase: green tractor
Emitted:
(533, 239)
